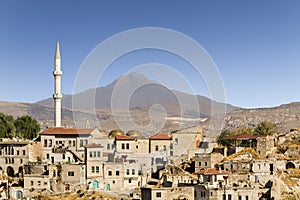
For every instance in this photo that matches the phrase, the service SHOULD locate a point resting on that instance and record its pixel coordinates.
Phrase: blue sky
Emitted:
(255, 44)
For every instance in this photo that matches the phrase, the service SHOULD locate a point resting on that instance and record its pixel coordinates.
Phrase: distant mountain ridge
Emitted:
(148, 94)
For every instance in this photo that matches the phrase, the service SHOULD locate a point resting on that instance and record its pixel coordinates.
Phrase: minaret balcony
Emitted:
(57, 96)
(57, 73)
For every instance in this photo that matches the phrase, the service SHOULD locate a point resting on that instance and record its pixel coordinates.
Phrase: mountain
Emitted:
(136, 91)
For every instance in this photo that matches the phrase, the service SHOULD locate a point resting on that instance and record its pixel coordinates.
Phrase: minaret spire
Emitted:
(57, 96)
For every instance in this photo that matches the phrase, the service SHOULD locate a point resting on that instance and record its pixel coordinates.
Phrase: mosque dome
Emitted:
(135, 134)
(113, 133)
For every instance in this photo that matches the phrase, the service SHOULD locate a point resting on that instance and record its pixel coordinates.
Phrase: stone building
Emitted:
(160, 148)
(168, 193)
(36, 179)
(94, 161)
(265, 145)
(15, 153)
(56, 142)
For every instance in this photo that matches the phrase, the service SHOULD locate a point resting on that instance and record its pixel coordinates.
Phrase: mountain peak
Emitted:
(132, 78)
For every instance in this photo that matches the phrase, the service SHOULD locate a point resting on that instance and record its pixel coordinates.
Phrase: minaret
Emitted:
(57, 96)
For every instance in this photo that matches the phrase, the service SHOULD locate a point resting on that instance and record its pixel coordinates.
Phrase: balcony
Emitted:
(58, 150)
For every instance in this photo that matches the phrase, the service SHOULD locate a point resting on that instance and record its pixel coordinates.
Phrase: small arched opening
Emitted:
(10, 171)
(67, 187)
(19, 194)
(290, 165)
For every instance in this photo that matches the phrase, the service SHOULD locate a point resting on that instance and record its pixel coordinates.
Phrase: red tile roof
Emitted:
(93, 145)
(241, 137)
(123, 137)
(160, 136)
(212, 171)
(66, 131)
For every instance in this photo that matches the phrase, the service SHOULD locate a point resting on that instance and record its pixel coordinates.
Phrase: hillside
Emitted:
(286, 116)
(175, 103)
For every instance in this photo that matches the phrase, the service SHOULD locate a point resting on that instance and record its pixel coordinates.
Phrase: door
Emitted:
(95, 184)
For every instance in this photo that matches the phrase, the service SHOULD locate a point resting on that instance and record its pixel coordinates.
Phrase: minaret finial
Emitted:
(57, 52)
(57, 96)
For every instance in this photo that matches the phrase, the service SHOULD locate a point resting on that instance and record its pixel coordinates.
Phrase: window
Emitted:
(158, 194)
(45, 143)
(108, 146)
(98, 153)
(21, 161)
(247, 198)
(39, 183)
(47, 156)
(83, 143)
(31, 183)
(140, 172)
(199, 163)
(117, 173)
(123, 146)
(93, 169)
(165, 147)
(54, 173)
(127, 172)
(156, 147)
(95, 154)
(202, 194)
(127, 146)
(74, 144)
(240, 197)
(109, 173)
(129, 181)
(70, 143)
(176, 140)
(137, 146)
(63, 156)
(205, 163)
(229, 197)
(45, 183)
(70, 173)
(24, 152)
(50, 143)
(91, 154)
(133, 172)
(18, 152)
(97, 169)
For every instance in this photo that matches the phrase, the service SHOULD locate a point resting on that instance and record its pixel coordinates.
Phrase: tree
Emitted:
(221, 139)
(265, 128)
(7, 127)
(27, 127)
(244, 130)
